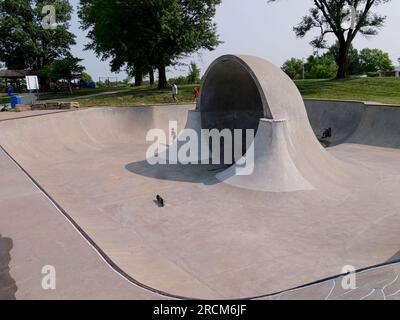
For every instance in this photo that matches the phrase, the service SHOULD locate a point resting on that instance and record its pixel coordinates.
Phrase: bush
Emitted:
(179, 80)
(323, 67)
(293, 68)
(374, 74)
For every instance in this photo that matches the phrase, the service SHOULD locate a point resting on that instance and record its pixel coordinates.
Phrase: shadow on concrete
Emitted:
(395, 258)
(8, 286)
(205, 174)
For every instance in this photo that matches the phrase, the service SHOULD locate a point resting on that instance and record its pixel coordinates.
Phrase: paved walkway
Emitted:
(27, 114)
(89, 95)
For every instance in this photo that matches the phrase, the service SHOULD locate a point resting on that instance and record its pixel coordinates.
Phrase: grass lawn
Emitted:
(383, 90)
(4, 98)
(140, 96)
(78, 93)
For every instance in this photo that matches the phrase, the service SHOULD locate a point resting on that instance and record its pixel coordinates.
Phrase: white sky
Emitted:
(257, 28)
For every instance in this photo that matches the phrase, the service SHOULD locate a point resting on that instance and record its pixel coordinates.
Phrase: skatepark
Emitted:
(79, 194)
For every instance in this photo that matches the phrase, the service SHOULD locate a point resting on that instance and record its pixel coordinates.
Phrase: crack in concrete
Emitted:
(368, 295)
(333, 288)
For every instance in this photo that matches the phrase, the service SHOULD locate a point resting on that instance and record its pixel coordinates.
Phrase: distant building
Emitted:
(395, 73)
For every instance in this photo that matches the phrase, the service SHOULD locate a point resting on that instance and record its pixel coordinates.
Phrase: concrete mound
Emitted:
(238, 91)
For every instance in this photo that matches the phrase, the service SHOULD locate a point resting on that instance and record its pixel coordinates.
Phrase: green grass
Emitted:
(78, 93)
(4, 98)
(140, 96)
(383, 90)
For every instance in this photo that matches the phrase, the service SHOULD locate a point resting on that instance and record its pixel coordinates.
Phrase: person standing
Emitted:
(175, 92)
(10, 91)
(196, 94)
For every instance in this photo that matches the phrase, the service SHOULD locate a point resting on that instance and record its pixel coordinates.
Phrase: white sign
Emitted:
(32, 83)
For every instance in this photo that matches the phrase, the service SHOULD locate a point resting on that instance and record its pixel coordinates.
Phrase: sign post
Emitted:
(32, 83)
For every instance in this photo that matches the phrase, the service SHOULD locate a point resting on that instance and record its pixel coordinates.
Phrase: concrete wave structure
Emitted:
(238, 91)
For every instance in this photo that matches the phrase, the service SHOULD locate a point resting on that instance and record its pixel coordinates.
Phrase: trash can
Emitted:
(15, 100)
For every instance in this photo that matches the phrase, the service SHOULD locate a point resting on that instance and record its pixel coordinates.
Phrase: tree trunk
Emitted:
(151, 76)
(138, 78)
(70, 87)
(343, 71)
(162, 77)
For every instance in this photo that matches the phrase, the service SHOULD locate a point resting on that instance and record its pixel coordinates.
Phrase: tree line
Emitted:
(140, 36)
(345, 20)
(364, 62)
(145, 37)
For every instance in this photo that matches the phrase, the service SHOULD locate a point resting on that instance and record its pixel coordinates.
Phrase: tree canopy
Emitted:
(293, 68)
(25, 44)
(345, 19)
(194, 73)
(373, 60)
(143, 34)
(67, 68)
(367, 61)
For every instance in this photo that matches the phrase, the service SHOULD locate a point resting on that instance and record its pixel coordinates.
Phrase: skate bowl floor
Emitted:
(212, 239)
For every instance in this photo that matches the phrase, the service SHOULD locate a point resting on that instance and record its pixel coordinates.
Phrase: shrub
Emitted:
(374, 74)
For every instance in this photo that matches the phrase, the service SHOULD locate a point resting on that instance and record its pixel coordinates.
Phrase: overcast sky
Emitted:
(256, 28)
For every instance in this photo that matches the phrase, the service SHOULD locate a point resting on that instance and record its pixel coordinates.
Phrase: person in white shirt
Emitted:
(175, 92)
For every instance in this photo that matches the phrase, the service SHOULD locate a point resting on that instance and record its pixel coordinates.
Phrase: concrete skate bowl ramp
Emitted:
(218, 239)
(244, 92)
(356, 122)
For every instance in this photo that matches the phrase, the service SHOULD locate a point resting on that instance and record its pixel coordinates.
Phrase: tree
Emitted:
(194, 73)
(2, 81)
(330, 17)
(86, 77)
(354, 58)
(143, 35)
(25, 44)
(373, 60)
(323, 67)
(67, 68)
(293, 68)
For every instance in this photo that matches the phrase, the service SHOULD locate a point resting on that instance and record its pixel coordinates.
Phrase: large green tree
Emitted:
(24, 43)
(146, 34)
(67, 68)
(334, 17)
(373, 60)
(354, 59)
(194, 73)
(321, 67)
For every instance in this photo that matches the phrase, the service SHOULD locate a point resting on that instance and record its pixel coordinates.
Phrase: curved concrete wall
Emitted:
(248, 83)
(62, 135)
(356, 122)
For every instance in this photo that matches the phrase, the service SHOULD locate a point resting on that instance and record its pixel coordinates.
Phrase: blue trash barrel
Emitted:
(15, 100)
